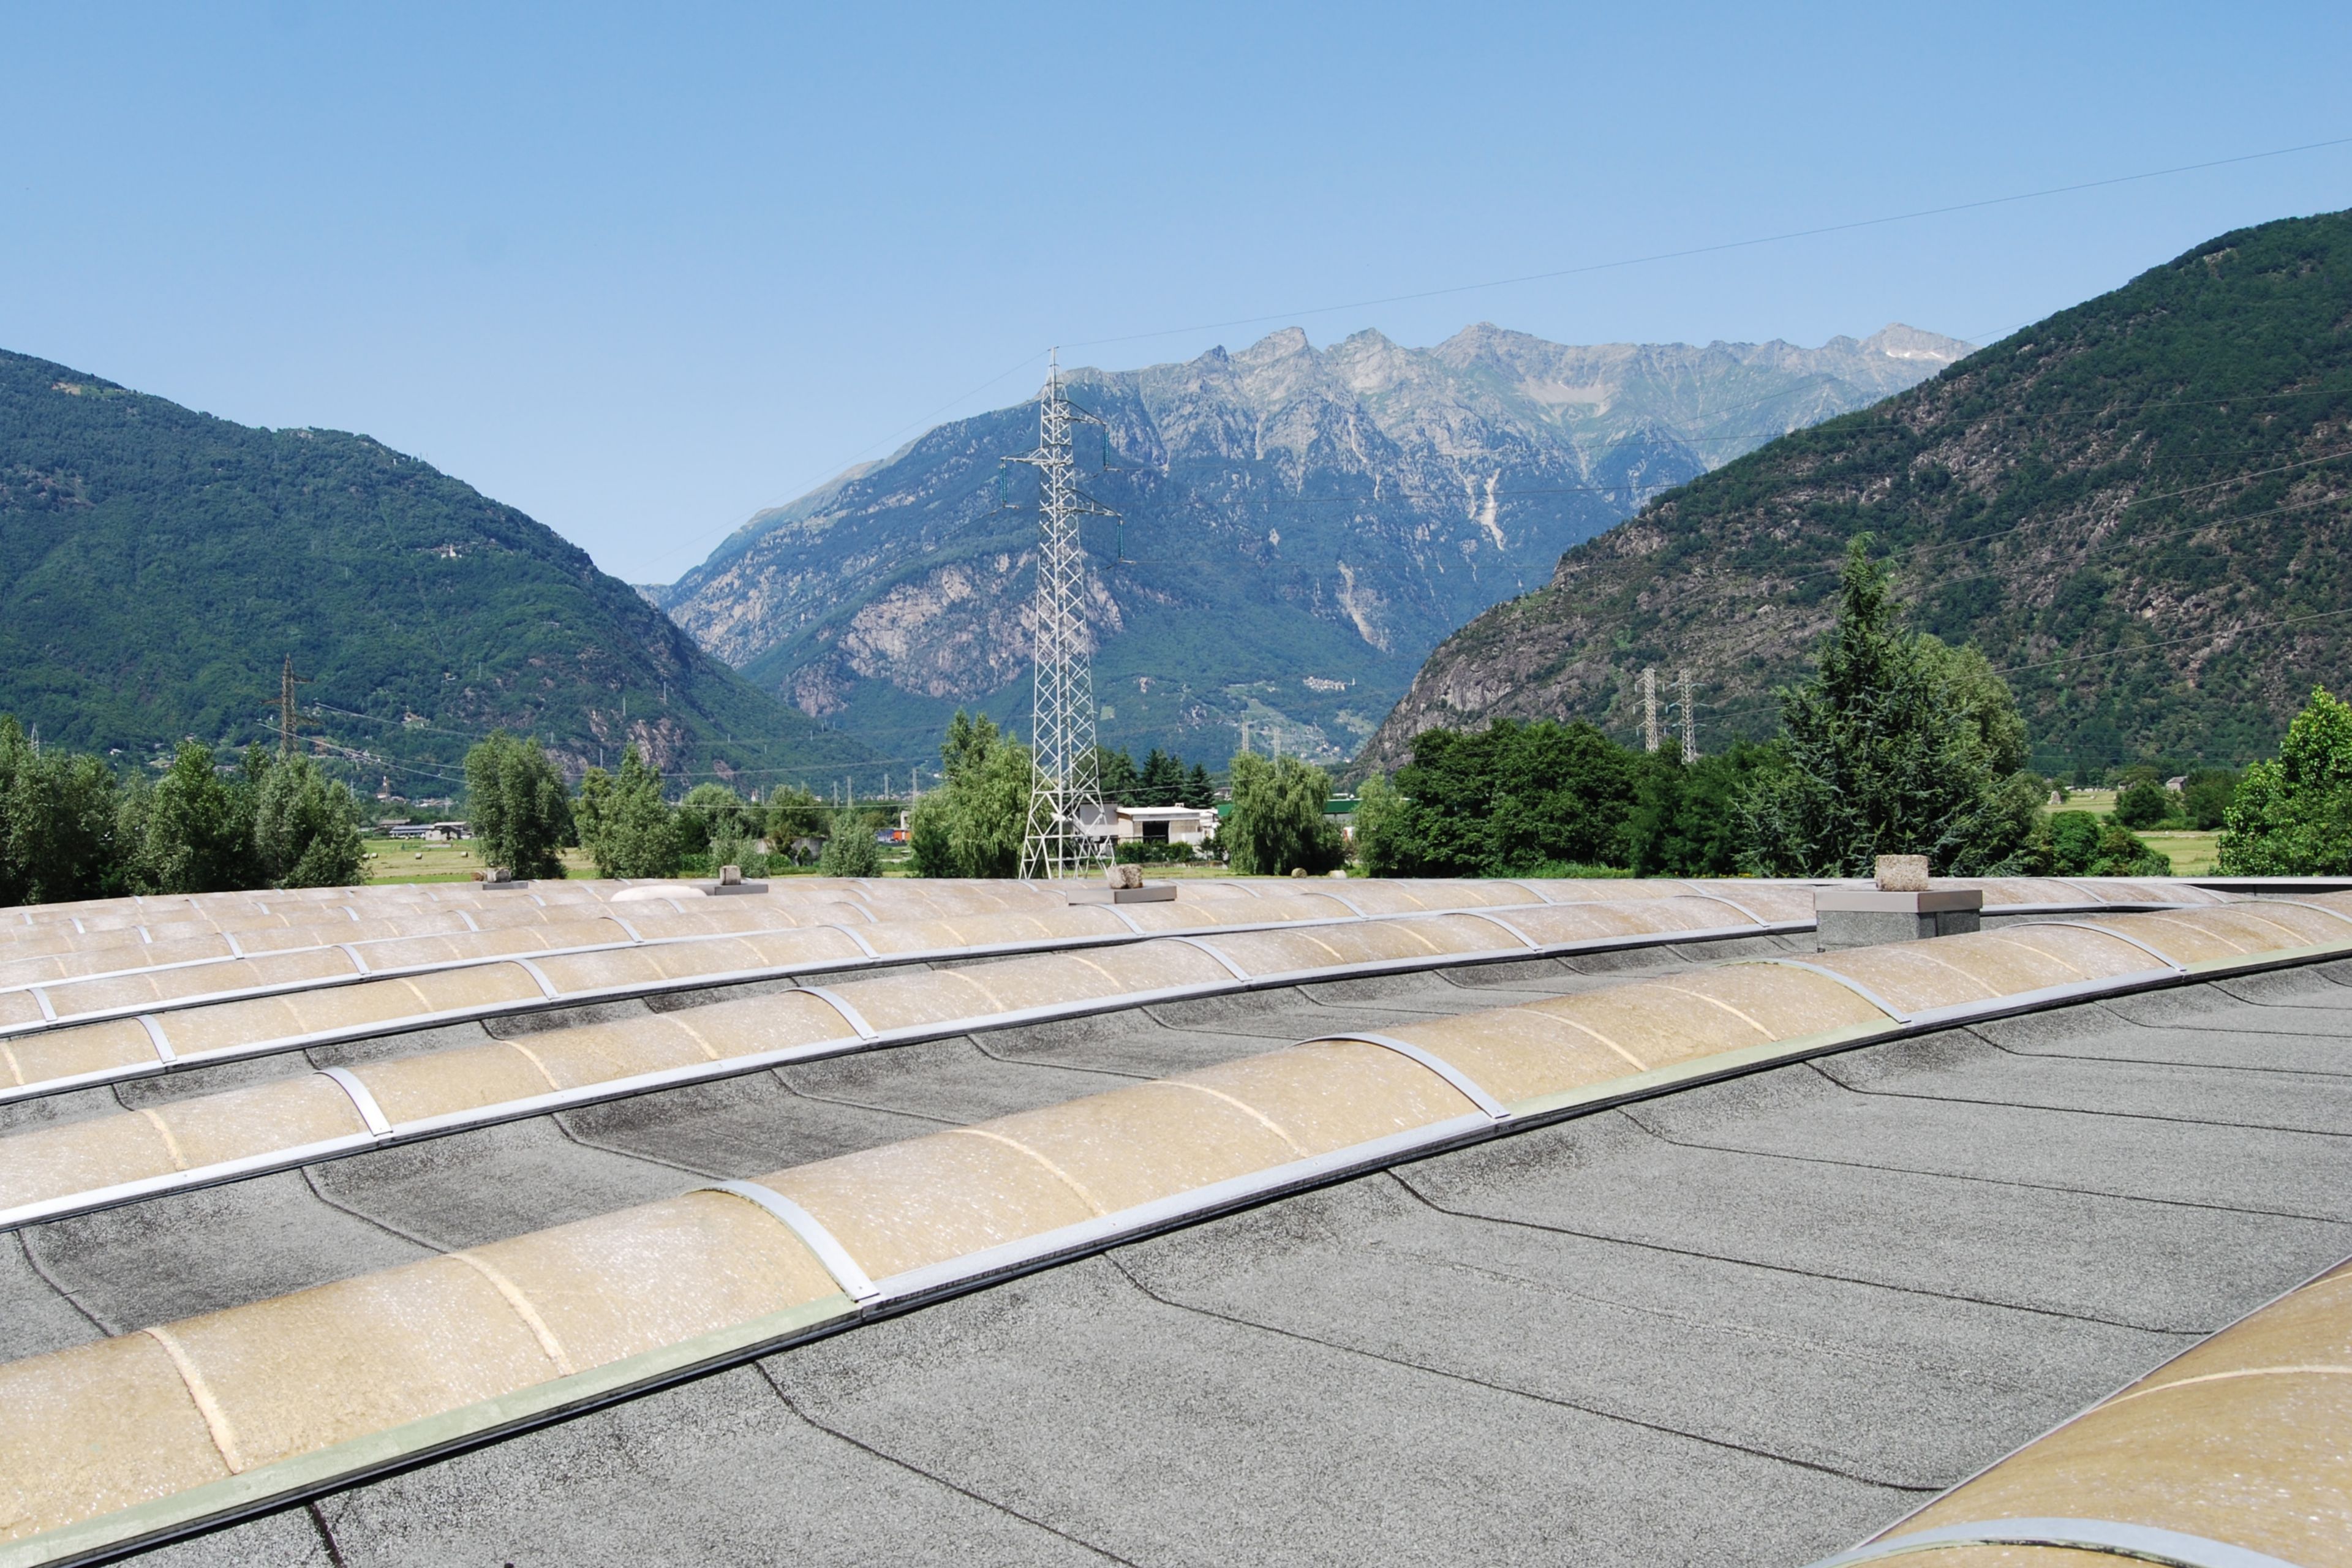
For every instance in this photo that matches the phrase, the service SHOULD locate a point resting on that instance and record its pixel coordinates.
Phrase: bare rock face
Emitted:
(1302, 527)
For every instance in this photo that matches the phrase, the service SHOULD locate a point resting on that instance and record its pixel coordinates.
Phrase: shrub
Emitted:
(849, 846)
(2078, 844)
(2143, 803)
(2291, 816)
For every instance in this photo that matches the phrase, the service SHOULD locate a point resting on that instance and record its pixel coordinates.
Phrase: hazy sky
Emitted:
(640, 271)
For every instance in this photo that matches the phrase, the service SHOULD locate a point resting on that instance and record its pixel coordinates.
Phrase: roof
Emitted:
(1738, 1260)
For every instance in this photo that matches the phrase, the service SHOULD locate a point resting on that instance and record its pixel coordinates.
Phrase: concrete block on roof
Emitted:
(1866, 917)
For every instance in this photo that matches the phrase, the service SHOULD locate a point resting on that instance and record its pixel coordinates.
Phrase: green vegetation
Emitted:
(1898, 745)
(625, 824)
(972, 825)
(1277, 825)
(1162, 780)
(2078, 844)
(849, 846)
(2132, 508)
(517, 808)
(157, 565)
(69, 829)
(2292, 816)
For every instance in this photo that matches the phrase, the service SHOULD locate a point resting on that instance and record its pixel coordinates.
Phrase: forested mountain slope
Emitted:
(158, 564)
(2138, 509)
(1302, 526)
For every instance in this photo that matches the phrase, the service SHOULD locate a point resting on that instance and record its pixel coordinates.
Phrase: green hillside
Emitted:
(2138, 509)
(157, 565)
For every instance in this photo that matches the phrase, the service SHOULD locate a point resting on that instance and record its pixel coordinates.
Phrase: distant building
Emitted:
(1147, 824)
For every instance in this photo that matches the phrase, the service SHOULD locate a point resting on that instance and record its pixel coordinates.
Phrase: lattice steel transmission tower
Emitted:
(1649, 708)
(1064, 777)
(1689, 715)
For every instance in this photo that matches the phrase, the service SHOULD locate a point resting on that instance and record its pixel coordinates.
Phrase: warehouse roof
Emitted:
(1759, 1317)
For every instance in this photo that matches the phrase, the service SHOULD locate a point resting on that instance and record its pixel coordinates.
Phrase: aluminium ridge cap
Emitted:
(282, 1483)
(115, 1194)
(2108, 1537)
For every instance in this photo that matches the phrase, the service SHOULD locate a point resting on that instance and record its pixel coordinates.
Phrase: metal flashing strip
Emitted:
(363, 1101)
(1467, 1085)
(539, 975)
(864, 946)
(41, 999)
(849, 1014)
(1850, 983)
(352, 951)
(1348, 904)
(1030, 1252)
(844, 1270)
(1235, 970)
(2144, 1543)
(155, 1028)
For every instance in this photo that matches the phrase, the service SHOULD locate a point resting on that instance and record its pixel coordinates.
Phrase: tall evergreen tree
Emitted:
(1894, 747)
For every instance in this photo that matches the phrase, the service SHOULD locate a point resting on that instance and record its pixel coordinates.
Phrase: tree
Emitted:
(1162, 781)
(624, 823)
(972, 825)
(2205, 799)
(198, 827)
(306, 828)
(849, 846)
(60, 815)
(1381, 828)
(2078, 844)
(792, 813)
(1278, 824)
(1116, 770)
(1895, 746)
(2143, 803)
(2291, 816)
(1199, 793)
(713, 813)
(516, 805)
(1686, 820)
(1511, 798)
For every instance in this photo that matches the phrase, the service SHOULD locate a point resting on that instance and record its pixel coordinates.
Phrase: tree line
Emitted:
(71, 828)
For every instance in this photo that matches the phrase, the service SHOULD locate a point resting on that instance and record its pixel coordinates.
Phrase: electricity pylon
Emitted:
(1063, 777)
(1649, 708)
(1690, 716)
(288, 717)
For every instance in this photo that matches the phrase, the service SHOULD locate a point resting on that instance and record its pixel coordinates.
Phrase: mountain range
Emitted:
(1301, 528)
(158, 565)
(2139, 508)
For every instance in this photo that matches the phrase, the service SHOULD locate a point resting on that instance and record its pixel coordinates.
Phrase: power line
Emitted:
(1723, 246)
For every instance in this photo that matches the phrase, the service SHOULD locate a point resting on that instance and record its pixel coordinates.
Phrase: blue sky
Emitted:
(642, 270)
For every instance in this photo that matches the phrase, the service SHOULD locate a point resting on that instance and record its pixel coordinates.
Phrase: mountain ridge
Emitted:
(1337, 510)
(2116, 503)
(158, 564)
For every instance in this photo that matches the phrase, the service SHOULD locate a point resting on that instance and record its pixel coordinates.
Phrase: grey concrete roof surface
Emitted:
(1746, 1323)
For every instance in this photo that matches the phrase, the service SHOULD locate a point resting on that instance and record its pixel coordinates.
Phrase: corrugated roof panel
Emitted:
(96, 1428)
(300, 1373)
(410, 1089)
(85, 1048)
(1909, 977)
(1335, 1094)
(619, 1285)
(761, 1023)
(1152, 1140)
(905, 1205)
